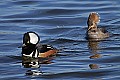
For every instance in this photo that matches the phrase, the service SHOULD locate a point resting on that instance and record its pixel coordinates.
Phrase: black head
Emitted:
(30, 40)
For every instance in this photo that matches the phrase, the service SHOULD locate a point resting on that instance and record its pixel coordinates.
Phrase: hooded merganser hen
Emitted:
(32, 48)
(93, 31)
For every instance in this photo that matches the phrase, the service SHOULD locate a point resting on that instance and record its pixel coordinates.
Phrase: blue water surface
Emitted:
(61, 23)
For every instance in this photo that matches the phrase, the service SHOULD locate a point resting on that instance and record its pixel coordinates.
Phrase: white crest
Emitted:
(33, 38)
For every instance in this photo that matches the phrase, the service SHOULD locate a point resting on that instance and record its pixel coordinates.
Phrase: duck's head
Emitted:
(93, 20)
(30, 38)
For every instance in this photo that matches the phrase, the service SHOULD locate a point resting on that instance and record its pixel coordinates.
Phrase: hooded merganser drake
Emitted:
(93, 31)
(32, 48)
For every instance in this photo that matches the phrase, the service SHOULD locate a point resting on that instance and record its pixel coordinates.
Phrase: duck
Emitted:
(32, 48)
(93, 31)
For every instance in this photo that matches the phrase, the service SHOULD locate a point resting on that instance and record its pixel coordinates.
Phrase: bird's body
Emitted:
(32, 48)
(93, 31)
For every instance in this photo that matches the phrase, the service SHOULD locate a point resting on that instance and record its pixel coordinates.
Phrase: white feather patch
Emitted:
(33, 38)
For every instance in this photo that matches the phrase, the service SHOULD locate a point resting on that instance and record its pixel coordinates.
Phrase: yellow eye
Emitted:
(28, 42)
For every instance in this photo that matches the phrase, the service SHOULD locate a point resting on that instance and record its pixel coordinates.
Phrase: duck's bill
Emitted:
(89, 28)
(23, 45)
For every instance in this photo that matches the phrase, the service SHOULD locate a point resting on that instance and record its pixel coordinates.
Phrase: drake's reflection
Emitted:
(29, 62)
(34, 64)
(94, 50)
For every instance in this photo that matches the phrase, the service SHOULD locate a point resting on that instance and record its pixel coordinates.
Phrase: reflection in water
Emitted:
(94, 66)
(33, 72)
(94, 56)
(94, 49)
(29, 62)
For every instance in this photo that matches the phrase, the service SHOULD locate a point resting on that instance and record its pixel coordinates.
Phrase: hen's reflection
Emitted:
(94, 50)
(94, 66)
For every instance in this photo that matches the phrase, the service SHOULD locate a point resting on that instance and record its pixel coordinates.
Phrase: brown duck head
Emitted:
(93, 20)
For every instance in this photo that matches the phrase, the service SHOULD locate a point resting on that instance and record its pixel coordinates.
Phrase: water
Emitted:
(63, 25)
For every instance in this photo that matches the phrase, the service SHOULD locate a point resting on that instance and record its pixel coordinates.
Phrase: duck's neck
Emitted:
(30, 50)
(93, 27)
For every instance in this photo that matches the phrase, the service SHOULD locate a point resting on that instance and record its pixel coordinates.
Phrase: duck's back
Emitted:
(98, 33)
